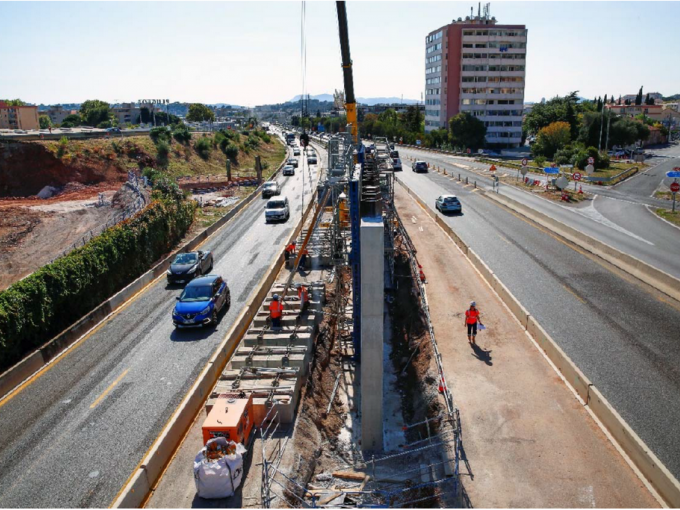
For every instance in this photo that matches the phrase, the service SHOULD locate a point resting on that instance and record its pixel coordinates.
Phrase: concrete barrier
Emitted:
(637, 452)
(644, 459)
(35, 361)
(646, 273)
(161, 452)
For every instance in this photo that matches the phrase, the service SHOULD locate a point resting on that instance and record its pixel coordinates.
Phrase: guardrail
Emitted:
(637, 452)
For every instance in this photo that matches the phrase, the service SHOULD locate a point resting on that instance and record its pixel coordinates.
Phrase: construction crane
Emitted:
(350, 100)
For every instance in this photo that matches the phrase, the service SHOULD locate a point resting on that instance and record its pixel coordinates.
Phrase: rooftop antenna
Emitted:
(472, 12)
(479, 9)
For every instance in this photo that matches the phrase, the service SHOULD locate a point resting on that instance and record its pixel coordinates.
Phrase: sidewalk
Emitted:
(528, 441)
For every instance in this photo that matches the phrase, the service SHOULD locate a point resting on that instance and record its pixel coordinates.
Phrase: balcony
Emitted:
(492, 38)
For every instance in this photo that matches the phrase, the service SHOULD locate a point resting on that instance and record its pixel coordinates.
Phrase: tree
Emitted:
(622, 130)
(555, 110)
(638, 98)
(72, 120)
(649, 100)
(94, 112)
(570, 118)
(44, 122)
(13, 102)
(199, 113)
(599, 104)
(467, 131)
(413, 118)
(605, 99)
(318, 114)
(619, 99)
(551, 138)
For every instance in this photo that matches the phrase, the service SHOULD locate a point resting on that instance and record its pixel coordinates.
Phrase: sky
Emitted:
(249, 53)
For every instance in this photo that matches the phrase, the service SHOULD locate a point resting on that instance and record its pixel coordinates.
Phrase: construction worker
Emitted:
(303, 259)
(290, 250)
(471, 320)
(303, 296)
(275, 311)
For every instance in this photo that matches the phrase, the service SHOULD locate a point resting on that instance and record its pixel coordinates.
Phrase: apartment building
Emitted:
(476, 65)
(18, 117)
(58, 113)
(128, 113)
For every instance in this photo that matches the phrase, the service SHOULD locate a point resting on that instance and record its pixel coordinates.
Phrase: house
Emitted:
(18, 117)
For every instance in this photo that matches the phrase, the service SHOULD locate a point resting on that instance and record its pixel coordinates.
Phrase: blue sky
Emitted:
(249, 53)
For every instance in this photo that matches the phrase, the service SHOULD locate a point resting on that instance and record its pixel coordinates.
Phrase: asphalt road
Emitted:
(624, 222)
(73, 437)
(623, 337)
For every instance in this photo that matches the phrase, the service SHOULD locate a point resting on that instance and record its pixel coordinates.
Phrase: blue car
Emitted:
(448, 203)
(200, 303)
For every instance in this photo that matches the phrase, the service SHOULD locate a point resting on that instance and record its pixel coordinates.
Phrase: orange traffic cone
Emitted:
(580, 190)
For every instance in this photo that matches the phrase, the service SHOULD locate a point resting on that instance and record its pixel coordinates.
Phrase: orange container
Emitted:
(231, 418)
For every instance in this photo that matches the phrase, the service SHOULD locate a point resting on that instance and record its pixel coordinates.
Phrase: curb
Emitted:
(637, 453)
(150, 470)
(656, 278)
(35, 361)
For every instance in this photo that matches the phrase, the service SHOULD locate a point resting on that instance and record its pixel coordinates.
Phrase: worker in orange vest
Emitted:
(290, 250)
(275, 311)
(471, 320)
(303, 258)
(303, 296)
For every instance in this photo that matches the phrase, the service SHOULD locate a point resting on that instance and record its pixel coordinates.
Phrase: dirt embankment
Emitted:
(27, 167)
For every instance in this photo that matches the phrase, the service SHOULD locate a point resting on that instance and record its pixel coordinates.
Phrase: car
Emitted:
(394, 154)
(188, 266)
(311, 160)
(112, 130)
(288, 170)
(448, 203)
(296, 151)
(419, 166)
(396, 165)
(293, 162)
(270, 189)
(201, 302)
(277, 210)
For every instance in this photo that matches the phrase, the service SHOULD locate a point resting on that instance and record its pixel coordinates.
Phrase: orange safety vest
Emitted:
(303, 294)
(471, 316)
(290, 248)
(275, 309)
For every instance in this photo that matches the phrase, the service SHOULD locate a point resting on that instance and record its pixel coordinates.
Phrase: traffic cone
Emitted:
(580, 190)
(442, 384)
(421, 273)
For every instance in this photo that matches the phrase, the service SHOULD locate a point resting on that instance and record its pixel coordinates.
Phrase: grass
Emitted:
(673, 217)
(664, 195)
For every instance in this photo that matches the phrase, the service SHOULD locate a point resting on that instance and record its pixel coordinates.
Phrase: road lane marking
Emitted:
(108, 390)
(504, 239)
(574, 294)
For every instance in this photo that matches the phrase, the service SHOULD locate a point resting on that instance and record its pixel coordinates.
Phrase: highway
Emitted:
(622, 221)
(624, 337)
(73, 436)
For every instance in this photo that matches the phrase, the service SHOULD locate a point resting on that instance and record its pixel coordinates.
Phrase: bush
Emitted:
(231, 151)
(35, 309)
(104, 124)
(182, 134)
(62, 146)
(539, 161)
(163, 149)
(218, 139)
(203, 147)
(159, 134)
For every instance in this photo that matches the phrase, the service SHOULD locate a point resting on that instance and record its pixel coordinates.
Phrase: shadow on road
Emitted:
(191, 334)
(482, 355)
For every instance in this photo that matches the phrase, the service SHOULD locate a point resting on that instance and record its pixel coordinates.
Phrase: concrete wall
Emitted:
(372, 304)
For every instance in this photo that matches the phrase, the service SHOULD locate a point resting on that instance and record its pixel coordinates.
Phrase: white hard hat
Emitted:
(472, 303)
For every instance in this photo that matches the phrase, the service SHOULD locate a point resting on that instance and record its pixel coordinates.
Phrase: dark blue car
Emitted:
(201, 301)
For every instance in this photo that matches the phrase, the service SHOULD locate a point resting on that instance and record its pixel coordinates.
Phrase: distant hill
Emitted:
(364, 100)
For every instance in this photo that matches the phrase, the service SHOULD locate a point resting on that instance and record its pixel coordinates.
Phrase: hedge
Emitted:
(37, 308)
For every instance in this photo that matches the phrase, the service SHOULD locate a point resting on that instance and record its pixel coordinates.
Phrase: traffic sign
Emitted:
(561, 182)
(591, 160)
(524, 170)
(675, 187)
(480, 151)
(525, 162)
(675, 174)
(551, 170)
(590, 169)
(577, 176)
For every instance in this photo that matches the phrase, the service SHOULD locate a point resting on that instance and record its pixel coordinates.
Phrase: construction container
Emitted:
(231, 418)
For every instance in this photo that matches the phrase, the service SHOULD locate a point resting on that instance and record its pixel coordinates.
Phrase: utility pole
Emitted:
(609, 121)
(599, 141)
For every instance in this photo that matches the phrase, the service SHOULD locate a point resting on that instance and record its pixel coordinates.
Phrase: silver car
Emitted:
(448, 203)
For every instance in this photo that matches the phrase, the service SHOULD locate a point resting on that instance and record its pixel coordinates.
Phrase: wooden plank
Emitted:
(349, 475)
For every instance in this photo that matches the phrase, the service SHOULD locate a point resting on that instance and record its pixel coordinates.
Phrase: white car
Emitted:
(288, 170)
(277, 210)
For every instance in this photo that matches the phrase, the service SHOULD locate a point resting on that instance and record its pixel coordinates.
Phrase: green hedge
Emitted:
(37, 308)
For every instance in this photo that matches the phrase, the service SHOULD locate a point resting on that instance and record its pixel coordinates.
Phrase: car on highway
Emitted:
(419, 166)
(270, 189)
(296, 151)
(448, 203)
(293, 162)
(277, 210)
(288, 170)
(394, 154)
(112, 130)
(311, 160)
(396, 165)
(201, 302)
(188, 266)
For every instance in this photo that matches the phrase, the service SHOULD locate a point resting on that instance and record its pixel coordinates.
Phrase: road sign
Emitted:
(418, 142)
(525, 162)
(524, 170)
(591, 160)
(551, 170)
(590, 169)
(675, 187)
(493, 168)
(675, 174)
(480, 151)
(577, 176)
(561, 182)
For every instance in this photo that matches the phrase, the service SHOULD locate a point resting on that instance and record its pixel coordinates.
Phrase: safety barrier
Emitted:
(637, 452)
(16, 374)
(150, 470)
(650, 275)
